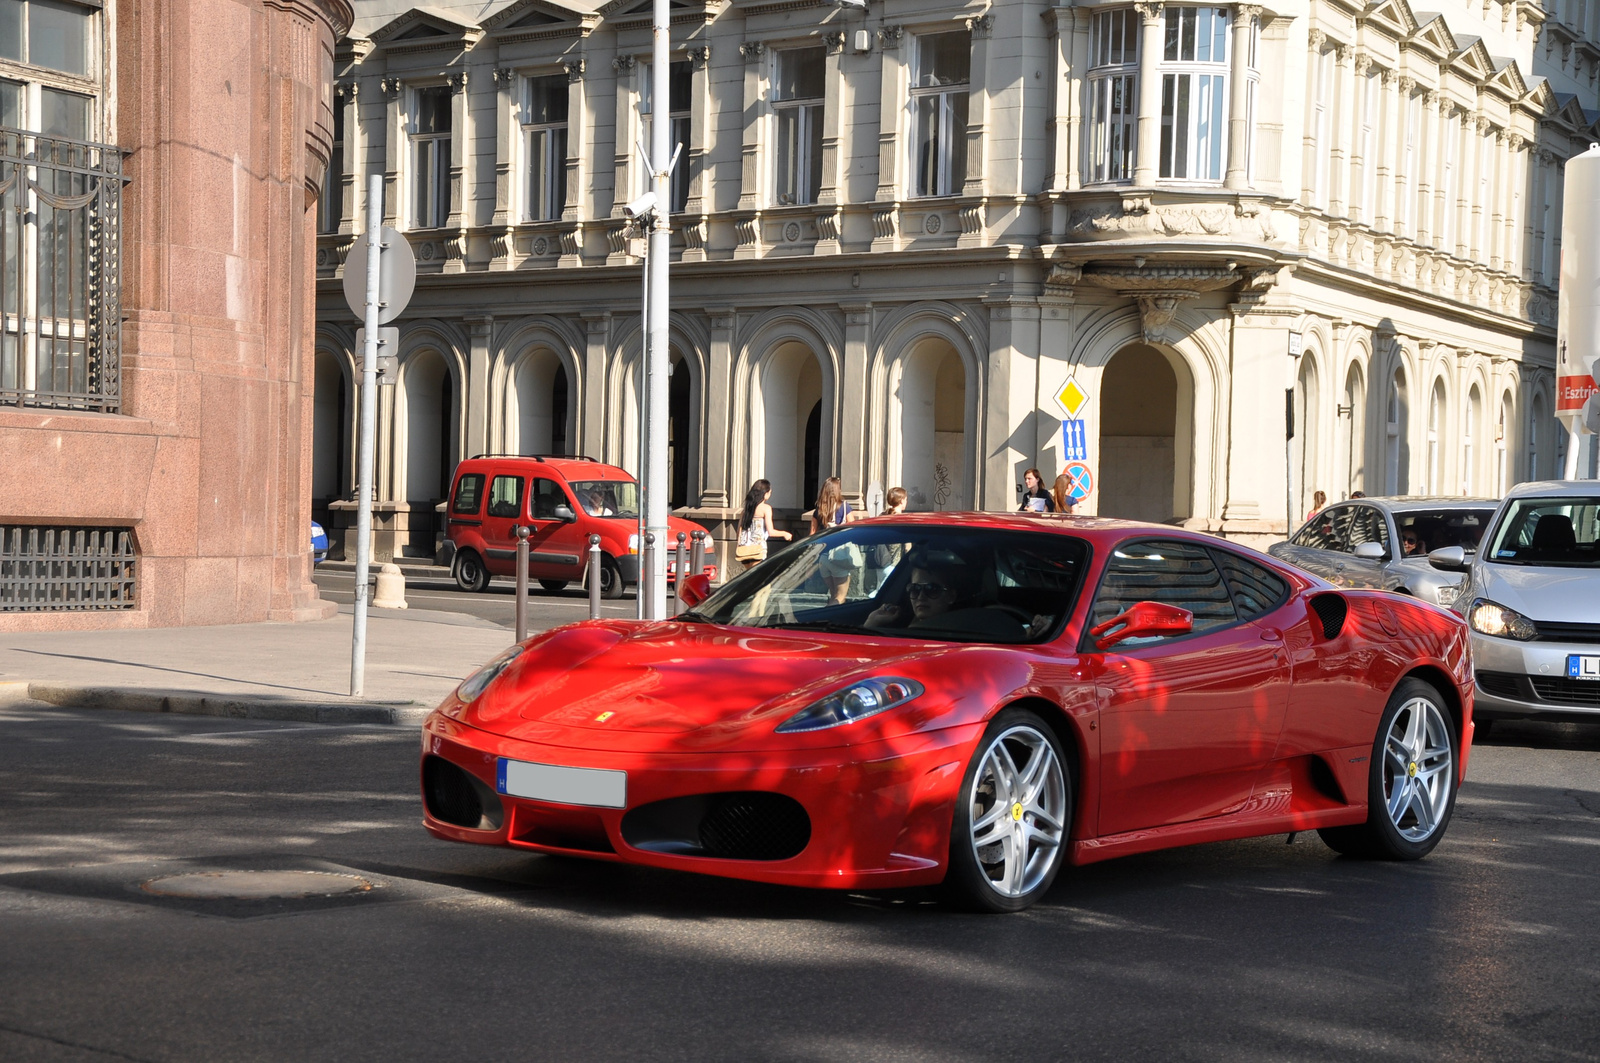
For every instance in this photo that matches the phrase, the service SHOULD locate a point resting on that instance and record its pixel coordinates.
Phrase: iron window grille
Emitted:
(60, 279)
(47, 569)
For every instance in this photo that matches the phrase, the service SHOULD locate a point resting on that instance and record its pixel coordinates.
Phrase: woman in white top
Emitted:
(755, 525)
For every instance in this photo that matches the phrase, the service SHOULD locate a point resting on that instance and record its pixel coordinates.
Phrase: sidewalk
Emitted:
(261, 671)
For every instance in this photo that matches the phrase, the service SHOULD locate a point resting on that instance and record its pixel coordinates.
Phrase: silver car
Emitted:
(1532, 599)
(1385, 542)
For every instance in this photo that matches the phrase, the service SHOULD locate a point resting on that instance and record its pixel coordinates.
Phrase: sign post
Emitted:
(1578, 308)
(377, 294)
(1296, 346)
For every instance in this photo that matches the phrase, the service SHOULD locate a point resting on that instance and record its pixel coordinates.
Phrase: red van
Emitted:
(562, 500)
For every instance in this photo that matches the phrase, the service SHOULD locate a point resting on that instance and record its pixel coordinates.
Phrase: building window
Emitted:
(430, 157)
(1321, 127)
(1194, 94)
(939, 92)
(680, 96)
(544, 138)
(1113, 95)
(797, 105)
(330, 208)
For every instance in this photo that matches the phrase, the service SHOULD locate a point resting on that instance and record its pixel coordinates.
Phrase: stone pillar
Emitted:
(1512, 254)
(1010, 396)
(352, 163)
(461, 142)
(717, 490)
(624, 178)
(695, 154)
(1361, 104)
(1495, 239)
(579, 147)
(891, 162)
(833, 105)
(1254, 440)
(1440, 191)
(1472, 195)
(752, 197)
(1382, 211)
(853, 429)
(395, 142)
(1422, 227)
(596, 350)
(1405, 205)
(505, 82)
(1145, 165)
(981, 27)
(1244, 17)
(480, 328)
(1341, 99)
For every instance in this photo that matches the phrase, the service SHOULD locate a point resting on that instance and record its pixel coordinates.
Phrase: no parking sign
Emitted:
(1080, 480)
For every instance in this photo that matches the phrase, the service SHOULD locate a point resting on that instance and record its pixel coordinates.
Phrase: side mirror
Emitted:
(694, 589)
(1141, 621)
(1449, 559)
(1371, 552)
(564, 514)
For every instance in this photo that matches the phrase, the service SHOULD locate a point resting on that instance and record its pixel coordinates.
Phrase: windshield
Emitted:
(1548, 531)
(912, 581)
(1424, 531)
(607, 498)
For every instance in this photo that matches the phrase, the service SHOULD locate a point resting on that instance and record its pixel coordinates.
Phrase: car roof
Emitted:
(1559, 488)
(1410, 503)
(567, 468)
(1097, 529)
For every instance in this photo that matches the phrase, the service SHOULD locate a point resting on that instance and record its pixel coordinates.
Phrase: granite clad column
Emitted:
(1150, 51)
(1244, 17)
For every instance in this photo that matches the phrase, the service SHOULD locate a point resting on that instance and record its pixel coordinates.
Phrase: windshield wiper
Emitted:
(691, 615)
(818, 625)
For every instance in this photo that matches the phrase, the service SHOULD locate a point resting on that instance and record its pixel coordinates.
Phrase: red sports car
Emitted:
(972, 700)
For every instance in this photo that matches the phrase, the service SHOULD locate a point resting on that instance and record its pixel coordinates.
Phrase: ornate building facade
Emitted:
(898, 233)
(160, 166)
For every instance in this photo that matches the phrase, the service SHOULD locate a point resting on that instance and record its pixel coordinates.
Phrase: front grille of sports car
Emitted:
(1505, 685)
(457, 797)
(1559, 690)
(1550, 631)
(746, 825)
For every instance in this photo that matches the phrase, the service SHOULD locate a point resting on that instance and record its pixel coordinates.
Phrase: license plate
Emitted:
(592, 787)
(1581, 667)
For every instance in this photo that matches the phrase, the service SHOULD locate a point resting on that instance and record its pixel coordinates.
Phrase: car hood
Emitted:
(694, 686)
(1557, 595)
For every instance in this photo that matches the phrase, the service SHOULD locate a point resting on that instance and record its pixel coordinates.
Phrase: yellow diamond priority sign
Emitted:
(1072, 398)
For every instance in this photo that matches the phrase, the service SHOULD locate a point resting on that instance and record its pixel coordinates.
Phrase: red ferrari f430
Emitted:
(966, 700)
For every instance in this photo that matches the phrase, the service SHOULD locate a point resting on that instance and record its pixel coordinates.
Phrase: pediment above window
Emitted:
(624, 14)
(1433, 36)
(1472, 60)
(536, 19)
(1507, 81)
(1569, 112)
(425, 29)
(1393, 17)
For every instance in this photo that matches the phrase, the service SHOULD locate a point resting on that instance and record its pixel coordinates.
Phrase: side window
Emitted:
(1257, 590)
(1171, 573)
(505, 497)
(547, 495)
(469, 492)
(1366, 525)
(1326, 530)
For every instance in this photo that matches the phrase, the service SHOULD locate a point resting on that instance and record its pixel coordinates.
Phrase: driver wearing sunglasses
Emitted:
(932, 592)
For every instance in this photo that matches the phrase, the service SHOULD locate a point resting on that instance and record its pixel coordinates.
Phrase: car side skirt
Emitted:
(1269, 813)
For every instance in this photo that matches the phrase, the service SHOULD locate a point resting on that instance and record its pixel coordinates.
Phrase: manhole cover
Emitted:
(256, 885)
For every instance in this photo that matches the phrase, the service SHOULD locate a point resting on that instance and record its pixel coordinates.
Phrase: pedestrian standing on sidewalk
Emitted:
(755, 525)
(1061, 494)
(1035, 499)
(839, 563)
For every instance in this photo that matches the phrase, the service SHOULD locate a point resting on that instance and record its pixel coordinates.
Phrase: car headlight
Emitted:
(1448, 595)
(855, 702)
(1489, 618)
(479, 681)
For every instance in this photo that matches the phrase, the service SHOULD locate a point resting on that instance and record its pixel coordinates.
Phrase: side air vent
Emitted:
(1331, 609)
(457, 797)
(746, 825)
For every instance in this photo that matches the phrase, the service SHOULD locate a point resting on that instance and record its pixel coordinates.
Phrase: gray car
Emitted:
(1532, 600)
(1385, 542)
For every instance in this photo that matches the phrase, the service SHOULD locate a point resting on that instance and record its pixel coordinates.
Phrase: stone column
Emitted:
(1473, 194)
(480, 328)
(352, 163)
(1342, 101)
(751, 195)
(717, 491)
(1361, 90)
(1067, 104)
(460, 150)
(1512, 253)
(1440, 191)
(1497, 197)
(1252, 448)
(853, 467)
(1238, 97)
(1422, 228)
(1145, 165)
(891, 162)
(981, 27)
(579, 148)
(505, 133)
(1382, 206)
(1538, 200)
(695, 154)
(395, 142)
(596, 355)
(623, 162)
(833, 104)
(1010, 394)
(1405, 207)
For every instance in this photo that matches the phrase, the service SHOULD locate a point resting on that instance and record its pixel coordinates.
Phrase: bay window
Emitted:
(544, 140)
(1113, 94)
(797, 94)
(939, 97)
(1194, 93)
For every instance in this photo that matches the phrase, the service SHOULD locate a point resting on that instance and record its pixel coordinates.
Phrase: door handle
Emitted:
(1271, 635)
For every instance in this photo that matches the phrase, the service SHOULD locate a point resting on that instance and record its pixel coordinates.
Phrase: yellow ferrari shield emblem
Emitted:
(1016, 811)
(603, 717)
(1411, 769)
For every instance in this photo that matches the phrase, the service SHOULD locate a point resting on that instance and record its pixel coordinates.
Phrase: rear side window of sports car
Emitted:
(1169, 572)
(469, 490)
(1256, 589)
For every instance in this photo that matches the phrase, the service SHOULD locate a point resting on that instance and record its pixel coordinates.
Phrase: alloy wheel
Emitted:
(1417, 769)
(1019, 810)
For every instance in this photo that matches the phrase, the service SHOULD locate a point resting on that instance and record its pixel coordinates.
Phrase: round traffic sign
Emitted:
(1081, 480)
(397, 275)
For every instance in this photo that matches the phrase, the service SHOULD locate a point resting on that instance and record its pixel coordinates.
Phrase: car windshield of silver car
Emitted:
(1548, 531)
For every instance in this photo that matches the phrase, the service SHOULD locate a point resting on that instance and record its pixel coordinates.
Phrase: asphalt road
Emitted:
(497, 604)
(1255, 950)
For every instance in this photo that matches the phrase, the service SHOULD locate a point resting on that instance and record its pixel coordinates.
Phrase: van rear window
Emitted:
(469, 493)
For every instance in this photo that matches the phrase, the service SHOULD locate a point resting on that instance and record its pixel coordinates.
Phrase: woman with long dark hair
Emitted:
(755, 525)
(1035, 496)
(840, 563)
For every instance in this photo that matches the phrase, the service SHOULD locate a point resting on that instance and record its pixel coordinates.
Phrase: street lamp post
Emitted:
(657, 362)
(1296, 342)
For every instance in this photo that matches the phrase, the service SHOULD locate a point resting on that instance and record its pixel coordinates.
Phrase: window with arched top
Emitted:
(1469, 440)
(1502, 452)
(1436, 423)
(1397, 451)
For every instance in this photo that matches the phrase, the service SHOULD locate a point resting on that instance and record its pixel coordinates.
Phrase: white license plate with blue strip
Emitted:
(590, 787)
(1583, 666)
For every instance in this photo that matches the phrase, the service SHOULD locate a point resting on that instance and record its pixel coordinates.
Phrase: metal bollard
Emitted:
(697, 557)
(594, 577)
(522, 582)
(647, 567)
(682, 565)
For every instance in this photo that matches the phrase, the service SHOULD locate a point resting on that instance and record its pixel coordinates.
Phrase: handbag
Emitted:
(747, 552)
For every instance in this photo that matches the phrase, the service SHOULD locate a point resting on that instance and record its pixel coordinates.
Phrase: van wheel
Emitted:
(611, 585)
(554, 586)
(470, 573)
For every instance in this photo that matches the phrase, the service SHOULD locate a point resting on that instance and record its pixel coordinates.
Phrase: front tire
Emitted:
(554, 586)
(1009, 835)
(611, 584)
(1411, 785)
(470, 573)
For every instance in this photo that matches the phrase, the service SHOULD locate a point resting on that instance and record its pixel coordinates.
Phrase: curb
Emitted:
(419, 571)
(224, 706)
